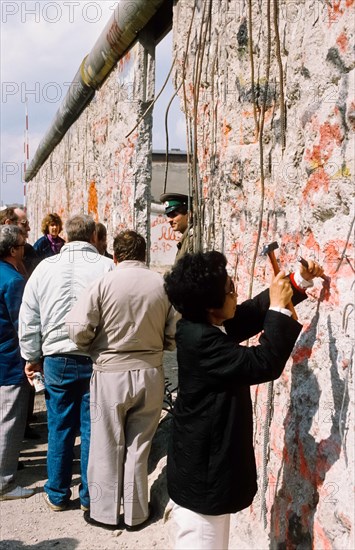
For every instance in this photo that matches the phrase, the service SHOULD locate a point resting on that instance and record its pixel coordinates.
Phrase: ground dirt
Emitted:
(30, 524)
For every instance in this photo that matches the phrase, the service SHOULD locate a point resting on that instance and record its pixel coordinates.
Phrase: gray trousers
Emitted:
(125, 410)
(13, 413)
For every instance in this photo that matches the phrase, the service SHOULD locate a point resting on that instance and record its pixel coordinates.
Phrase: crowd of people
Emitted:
(96, 326)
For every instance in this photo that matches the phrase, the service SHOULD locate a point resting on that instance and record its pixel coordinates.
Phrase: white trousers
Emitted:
(198, 531)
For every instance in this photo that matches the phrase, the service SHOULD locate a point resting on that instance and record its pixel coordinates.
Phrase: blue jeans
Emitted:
(67, 383)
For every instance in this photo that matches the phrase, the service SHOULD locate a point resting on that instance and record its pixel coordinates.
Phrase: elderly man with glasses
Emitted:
(16, 216)
(13, 385)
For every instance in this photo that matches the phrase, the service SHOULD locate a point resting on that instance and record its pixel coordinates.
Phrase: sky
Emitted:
(42, 46)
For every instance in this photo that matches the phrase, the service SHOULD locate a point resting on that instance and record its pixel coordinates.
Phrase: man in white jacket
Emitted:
(50, 293)
(124, 321)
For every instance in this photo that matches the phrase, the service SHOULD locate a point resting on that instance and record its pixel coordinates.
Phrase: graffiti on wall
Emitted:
(163, 241)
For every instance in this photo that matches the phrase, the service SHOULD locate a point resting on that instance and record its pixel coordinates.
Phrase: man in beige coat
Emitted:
(124, 321)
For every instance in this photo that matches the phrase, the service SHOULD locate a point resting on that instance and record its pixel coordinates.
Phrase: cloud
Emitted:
(42, 47)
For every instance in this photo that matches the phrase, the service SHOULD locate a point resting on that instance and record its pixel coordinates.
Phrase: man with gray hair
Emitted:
(50, 293)
(13, 384)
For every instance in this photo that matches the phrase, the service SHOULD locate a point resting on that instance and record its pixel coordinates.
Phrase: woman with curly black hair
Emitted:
(50, 244)
(211, 469)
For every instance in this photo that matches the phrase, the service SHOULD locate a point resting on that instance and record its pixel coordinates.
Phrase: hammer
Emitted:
(268, 250)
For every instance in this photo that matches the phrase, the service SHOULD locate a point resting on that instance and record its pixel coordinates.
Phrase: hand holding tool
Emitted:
(269, 250)
(305, 264)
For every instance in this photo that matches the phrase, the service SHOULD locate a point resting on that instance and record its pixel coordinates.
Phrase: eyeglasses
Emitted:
(18, 245)
(24, 222)
(231, 290)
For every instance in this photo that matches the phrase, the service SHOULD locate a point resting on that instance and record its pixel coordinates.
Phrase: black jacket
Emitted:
(43, 247)
(30, 260)
(211, 464)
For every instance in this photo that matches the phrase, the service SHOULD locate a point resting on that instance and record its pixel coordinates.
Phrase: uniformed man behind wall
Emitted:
(178, 209)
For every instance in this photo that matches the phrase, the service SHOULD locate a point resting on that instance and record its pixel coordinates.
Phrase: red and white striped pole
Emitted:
(26, 151)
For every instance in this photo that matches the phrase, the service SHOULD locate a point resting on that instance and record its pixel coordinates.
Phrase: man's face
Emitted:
(18, 249)
(178, 222)
(22, 222)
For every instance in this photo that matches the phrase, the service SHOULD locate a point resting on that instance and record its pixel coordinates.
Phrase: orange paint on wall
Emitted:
(92, 201)
(226, 129)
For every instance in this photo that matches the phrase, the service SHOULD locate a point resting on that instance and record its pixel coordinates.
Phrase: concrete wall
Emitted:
(275, 145)
(273, 135)
(163, 240)
(95, 169)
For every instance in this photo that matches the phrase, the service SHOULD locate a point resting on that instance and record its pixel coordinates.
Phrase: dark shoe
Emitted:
(17, 493)
(95, 523)
(144, 523)
(30, 433)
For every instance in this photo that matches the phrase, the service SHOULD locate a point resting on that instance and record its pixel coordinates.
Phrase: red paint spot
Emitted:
(330, 136)
(327, 450)
(335, 11)
(303, 466)
(317, 182)
(321, 540)
(99, 130)
(286, 455)
(301, 354)
(312, 244)
(306, 513)
(114, 34)
(339, 252)
(351, 115)
(342, 41)
(124, 61)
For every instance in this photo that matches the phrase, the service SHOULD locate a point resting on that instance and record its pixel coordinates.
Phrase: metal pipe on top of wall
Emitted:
(119, 34)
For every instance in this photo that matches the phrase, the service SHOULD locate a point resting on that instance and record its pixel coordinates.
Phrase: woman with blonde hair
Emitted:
(50, 244)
